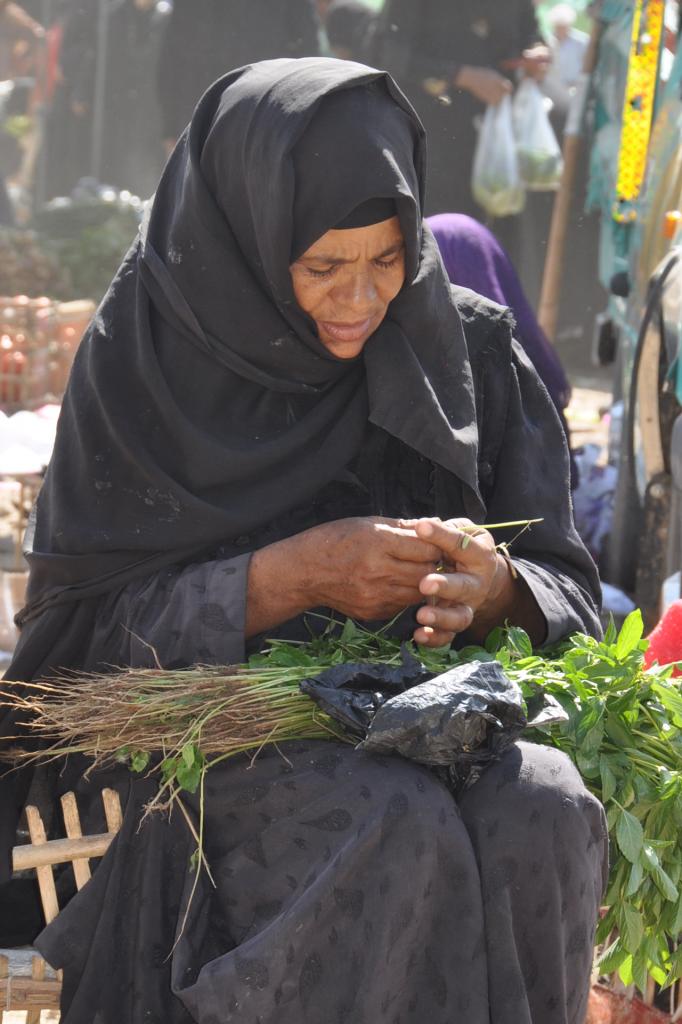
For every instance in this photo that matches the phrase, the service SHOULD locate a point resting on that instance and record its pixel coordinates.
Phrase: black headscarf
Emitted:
(202, 405)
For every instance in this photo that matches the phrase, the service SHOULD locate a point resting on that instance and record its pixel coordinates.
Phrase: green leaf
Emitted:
(675, 970)
(625, 971)
(495, 640)
(189, 778)
(658, 974)
(676, 927)
(169, 767)
(629, 836)
(611, 634)
(588, 765)
(618, 732)
(665, 885)
(139, 760)
(520, 641)
(349, 632)
(626, 793)
(608, 779)
(636, 878)
(633, 927)
(189, 755)
(669, 695)
(630, 635)
(612, 958)
(640, 970)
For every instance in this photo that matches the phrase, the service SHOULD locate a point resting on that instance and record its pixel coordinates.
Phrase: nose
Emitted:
(359, 294)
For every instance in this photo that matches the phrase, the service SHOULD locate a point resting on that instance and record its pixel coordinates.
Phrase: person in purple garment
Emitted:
(474, 259)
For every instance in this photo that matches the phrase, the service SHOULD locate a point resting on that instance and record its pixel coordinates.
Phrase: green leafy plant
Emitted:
(623, 731)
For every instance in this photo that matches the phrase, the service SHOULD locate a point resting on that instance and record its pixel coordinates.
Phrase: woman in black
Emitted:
(282, 406)
(453, 58)
(205, 38)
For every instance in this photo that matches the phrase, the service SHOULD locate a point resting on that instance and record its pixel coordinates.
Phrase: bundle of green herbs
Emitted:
(624, 733)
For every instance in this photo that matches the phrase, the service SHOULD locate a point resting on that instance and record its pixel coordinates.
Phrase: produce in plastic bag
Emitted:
(496, 180)
(540, 160)
(459, 720)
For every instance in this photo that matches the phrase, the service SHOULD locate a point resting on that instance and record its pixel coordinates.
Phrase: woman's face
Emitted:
(346, 280)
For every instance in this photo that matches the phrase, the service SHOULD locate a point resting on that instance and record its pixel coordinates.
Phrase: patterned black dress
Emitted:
(348, 888)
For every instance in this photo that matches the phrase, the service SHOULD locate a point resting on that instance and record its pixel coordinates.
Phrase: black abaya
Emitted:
(349, 889)
(204, 419)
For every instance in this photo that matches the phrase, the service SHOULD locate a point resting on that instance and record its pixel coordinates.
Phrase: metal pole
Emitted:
(548, 311)
(40, 186)
(101, 63)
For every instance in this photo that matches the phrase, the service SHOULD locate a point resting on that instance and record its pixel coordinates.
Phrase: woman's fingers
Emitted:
(411, 574)
(455, 588)
(458, 545)
(429, 637)
(453, 619)
(406, 546)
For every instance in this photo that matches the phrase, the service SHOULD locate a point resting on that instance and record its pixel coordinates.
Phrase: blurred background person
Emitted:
(568, 46)
(131, 155)
(20, 36)
(473, 258)
(348, 25)
(453, 59)
(10, 162)
(206, 38)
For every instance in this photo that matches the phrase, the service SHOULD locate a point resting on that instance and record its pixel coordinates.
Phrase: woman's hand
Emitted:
(536, 62)
(476, 590)
(472, 578)
(367, 568)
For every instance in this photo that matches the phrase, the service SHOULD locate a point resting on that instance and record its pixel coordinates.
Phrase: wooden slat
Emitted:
(48, 892)
(650, 993)
(60, 851)
(112, 810)
(72, 824)
(37, 974)
(27, 994)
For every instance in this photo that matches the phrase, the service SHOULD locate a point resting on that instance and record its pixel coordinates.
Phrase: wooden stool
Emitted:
(26, 981)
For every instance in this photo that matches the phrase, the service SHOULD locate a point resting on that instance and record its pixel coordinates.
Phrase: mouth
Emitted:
(348, 332)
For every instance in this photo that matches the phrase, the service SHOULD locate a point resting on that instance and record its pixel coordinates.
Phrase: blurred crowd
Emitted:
(115, 81)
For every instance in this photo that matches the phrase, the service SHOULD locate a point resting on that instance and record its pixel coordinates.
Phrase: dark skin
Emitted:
(373, 568)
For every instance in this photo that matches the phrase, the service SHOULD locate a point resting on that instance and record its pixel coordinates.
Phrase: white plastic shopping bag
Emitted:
(540, 160)
(496, 180)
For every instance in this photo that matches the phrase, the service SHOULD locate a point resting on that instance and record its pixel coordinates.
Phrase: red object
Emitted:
(607, 1007)
(665, 642)
(53, 71)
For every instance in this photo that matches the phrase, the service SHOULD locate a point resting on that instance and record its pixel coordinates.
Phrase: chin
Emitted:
(344, 349)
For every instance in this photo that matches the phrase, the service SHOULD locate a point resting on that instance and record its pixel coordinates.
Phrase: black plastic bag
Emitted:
(458, 721)
(466, 716)
(351, 694)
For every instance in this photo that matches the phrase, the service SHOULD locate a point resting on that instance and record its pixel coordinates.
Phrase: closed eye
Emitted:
(385, 264)
(320, 273)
